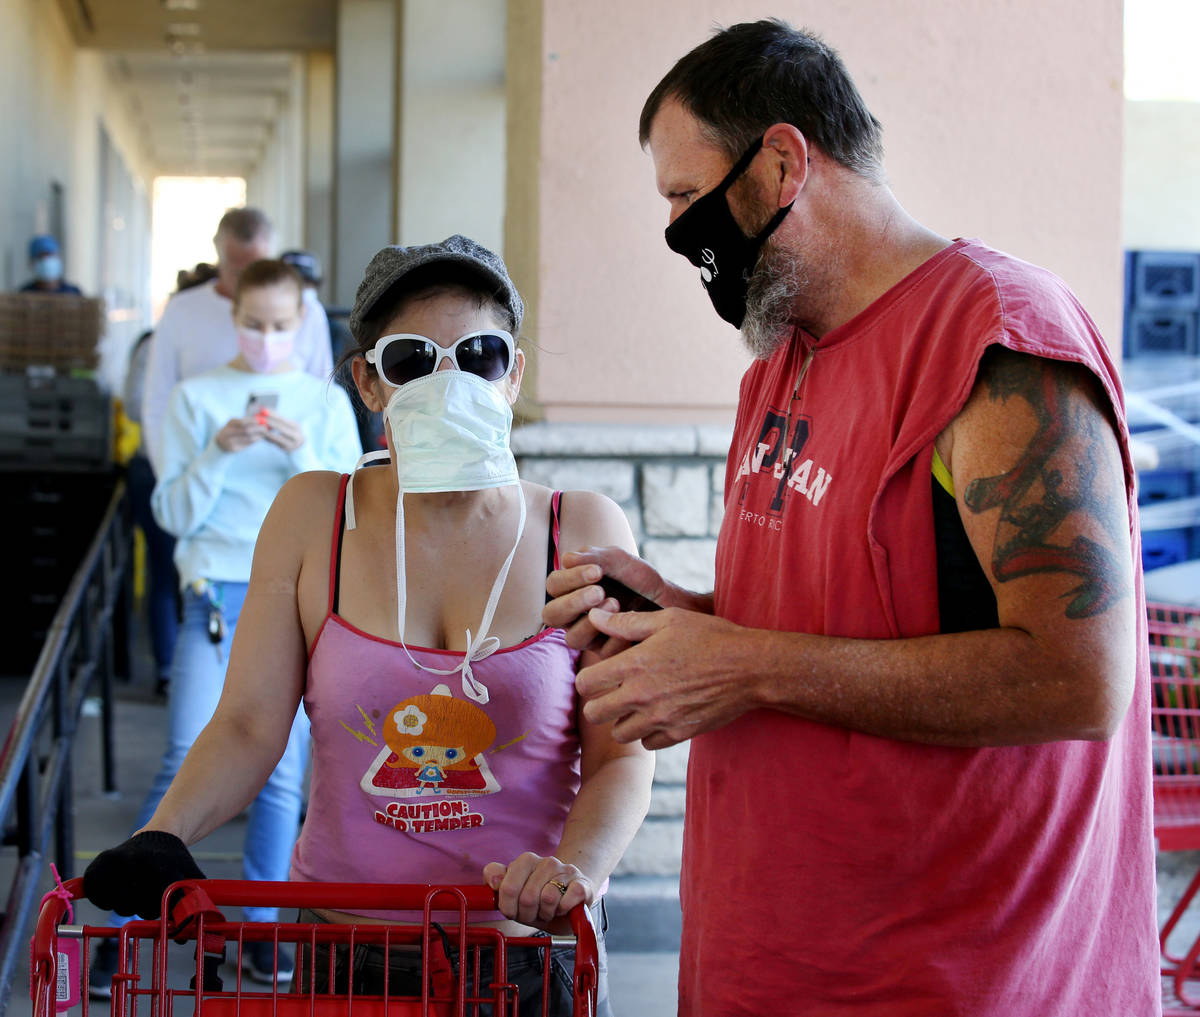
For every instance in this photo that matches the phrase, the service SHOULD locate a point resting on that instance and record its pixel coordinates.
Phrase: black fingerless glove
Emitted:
(131, 877)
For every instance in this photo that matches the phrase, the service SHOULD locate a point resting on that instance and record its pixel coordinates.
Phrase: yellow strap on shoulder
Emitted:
(942, 475)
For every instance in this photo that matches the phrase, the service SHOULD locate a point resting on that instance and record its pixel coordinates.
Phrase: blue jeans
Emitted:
(162, 581)
(197, 675)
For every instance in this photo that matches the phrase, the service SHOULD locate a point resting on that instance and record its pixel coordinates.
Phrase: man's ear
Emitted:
(367, 384)
(789, 153)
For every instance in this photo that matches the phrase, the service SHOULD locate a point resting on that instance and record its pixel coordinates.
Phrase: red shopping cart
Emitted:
(1175, 733)
(182, 966)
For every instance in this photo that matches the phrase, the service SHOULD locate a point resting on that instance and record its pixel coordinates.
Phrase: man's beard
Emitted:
(776, 284)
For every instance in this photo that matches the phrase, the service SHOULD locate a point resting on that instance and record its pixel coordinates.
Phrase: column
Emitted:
(451, 121)
(364, 140)
(318, 163)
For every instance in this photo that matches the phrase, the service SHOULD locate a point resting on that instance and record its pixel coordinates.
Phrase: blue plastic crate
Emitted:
(1166, 281)
(1163, 485)
(1153, 332)
(1130, 260)
(1165, 547)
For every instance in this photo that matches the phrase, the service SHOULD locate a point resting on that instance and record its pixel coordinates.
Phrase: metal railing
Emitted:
(87, 638)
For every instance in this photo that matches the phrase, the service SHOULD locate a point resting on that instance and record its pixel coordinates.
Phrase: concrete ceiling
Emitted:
(204, 114)
(205, 80)
(213, 24)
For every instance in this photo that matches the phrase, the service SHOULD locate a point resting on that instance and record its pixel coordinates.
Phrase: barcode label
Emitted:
(62, 990)
(67, 976)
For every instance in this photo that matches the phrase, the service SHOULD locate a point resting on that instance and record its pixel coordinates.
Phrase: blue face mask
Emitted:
(48, 269)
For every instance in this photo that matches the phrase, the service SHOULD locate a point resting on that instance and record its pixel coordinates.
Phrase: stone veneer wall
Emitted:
(670, 482)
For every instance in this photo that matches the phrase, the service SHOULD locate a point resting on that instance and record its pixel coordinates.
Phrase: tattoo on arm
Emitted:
(1058, 474)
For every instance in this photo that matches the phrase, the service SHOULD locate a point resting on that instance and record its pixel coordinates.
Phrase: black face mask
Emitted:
(707, 234)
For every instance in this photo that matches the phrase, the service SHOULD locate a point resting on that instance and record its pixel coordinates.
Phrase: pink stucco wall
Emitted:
(1001, 121)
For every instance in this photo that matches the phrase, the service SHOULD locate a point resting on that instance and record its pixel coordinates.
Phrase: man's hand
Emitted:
(687, 674)
(240, 433)
(281, 431)
(575, 592)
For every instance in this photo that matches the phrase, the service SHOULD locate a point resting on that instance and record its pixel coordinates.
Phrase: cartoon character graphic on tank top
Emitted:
(435, 745)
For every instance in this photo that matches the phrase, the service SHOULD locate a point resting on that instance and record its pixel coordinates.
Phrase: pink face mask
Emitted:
(265, 351)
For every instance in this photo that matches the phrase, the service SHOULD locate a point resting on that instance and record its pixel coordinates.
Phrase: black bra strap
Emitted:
(552, 561)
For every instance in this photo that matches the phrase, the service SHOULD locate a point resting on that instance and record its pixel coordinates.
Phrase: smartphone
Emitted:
(627, 598)
(261, 401)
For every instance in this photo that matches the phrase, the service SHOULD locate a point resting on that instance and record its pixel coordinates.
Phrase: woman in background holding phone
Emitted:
(232, 438)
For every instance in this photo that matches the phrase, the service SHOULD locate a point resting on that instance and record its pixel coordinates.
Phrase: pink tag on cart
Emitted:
(69, 976)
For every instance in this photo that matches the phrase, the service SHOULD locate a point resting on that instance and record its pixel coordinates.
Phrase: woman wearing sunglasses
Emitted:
(402, 605)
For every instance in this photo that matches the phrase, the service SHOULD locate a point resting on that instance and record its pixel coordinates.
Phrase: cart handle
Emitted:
(336, 896)
(339, 896)
(234, 892)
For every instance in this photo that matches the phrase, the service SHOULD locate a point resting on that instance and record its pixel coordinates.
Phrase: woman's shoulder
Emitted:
(589, 518)
(306, 503)
(587, 504)
(309, 489)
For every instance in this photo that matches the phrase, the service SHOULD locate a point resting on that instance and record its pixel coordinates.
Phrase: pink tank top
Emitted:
(412, 783)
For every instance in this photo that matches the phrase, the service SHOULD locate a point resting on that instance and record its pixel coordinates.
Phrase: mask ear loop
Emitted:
(480, 646)
(760, 238)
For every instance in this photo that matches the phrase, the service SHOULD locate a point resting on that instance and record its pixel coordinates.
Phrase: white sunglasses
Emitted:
(406, 356)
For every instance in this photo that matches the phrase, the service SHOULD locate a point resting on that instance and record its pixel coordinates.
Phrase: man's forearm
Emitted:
(679, 597)
(989, 687)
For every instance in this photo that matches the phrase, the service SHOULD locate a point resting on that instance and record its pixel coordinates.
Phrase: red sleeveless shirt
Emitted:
(835, 873)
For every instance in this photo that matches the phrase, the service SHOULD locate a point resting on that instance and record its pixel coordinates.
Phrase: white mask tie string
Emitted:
(366, 457)
(479, 646)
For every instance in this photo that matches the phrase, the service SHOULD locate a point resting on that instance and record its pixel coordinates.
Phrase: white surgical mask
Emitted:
(450, 432)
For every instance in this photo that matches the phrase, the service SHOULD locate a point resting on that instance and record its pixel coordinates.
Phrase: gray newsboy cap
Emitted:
(391, 264)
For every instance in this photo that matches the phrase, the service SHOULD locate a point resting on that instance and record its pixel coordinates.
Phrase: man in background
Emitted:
(45, 262)
(196, 331)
